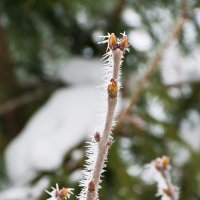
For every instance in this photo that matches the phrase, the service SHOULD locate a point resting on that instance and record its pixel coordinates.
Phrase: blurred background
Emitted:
(49, 69)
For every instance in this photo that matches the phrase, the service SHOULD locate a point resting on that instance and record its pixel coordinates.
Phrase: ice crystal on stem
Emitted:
(60, 194)
(97, 149)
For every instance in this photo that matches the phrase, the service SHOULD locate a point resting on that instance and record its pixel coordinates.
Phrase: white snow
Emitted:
(65, 120)
(78, 71)
(189, 34)
(140, 40)
(68, 117)
(131, 17)
(190, 130)
(96, 35)
(179, 68)
(21, 192)
(156, 109)
(161, 22)
(197, 15)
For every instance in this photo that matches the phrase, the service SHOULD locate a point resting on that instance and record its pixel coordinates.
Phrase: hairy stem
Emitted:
(162, 166)
(169, 184)
(103, 143)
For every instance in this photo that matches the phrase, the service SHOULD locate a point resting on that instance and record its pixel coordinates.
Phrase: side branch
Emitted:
(162, 166)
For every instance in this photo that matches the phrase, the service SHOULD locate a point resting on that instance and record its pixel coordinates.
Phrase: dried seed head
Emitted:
(91, 186)
(112, 89)
(112, 42)
(165, 162)
(97, 137)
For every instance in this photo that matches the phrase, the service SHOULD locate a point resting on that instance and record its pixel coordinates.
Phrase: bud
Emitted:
(112, 89)
(61, 194)
(91, 186)
(165, 162)
(110, 142)
(124, 43)
(112, 43)
(167, 191)
(97, 137)
(64, 193)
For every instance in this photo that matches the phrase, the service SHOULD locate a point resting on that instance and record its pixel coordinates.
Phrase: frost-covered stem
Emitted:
(170, 189)
(103, 143)
(162, 166)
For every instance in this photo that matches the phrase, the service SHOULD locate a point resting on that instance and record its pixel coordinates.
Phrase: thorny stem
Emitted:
(103, 146)
(153, 64)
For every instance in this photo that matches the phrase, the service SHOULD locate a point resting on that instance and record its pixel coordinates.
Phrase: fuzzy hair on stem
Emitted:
(97, 149)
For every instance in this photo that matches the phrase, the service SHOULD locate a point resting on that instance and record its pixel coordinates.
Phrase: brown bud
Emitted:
(64, 193)
(97, 137)
(124, 43)
(167, 191)
(165, 162)
(112, 89)
(112, 42)
(110, 142)
(91, 186)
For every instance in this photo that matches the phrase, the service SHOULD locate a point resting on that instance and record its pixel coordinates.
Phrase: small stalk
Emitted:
(116, 49)
(162, 166)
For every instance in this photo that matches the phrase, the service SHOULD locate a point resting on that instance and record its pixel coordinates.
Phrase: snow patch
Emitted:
(63, 122)
(140, 40)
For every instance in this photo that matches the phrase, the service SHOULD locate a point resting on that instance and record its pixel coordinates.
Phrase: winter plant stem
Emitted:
(117, 49)
(169, 184)
(162, 166)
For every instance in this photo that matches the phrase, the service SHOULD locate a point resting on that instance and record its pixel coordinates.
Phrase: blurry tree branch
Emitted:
(154, 63)
(8, 84)
(22, 100)
(117, 10)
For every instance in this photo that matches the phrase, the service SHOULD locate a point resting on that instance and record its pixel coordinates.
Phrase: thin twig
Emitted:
(104, 143)
(20, 101)
(162, 166)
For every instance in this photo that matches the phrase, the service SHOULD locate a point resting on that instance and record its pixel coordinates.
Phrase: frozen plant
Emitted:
(60, 194)
(102, 140)
(166, 189)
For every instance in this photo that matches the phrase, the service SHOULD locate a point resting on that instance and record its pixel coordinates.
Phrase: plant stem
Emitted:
(103, 143)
